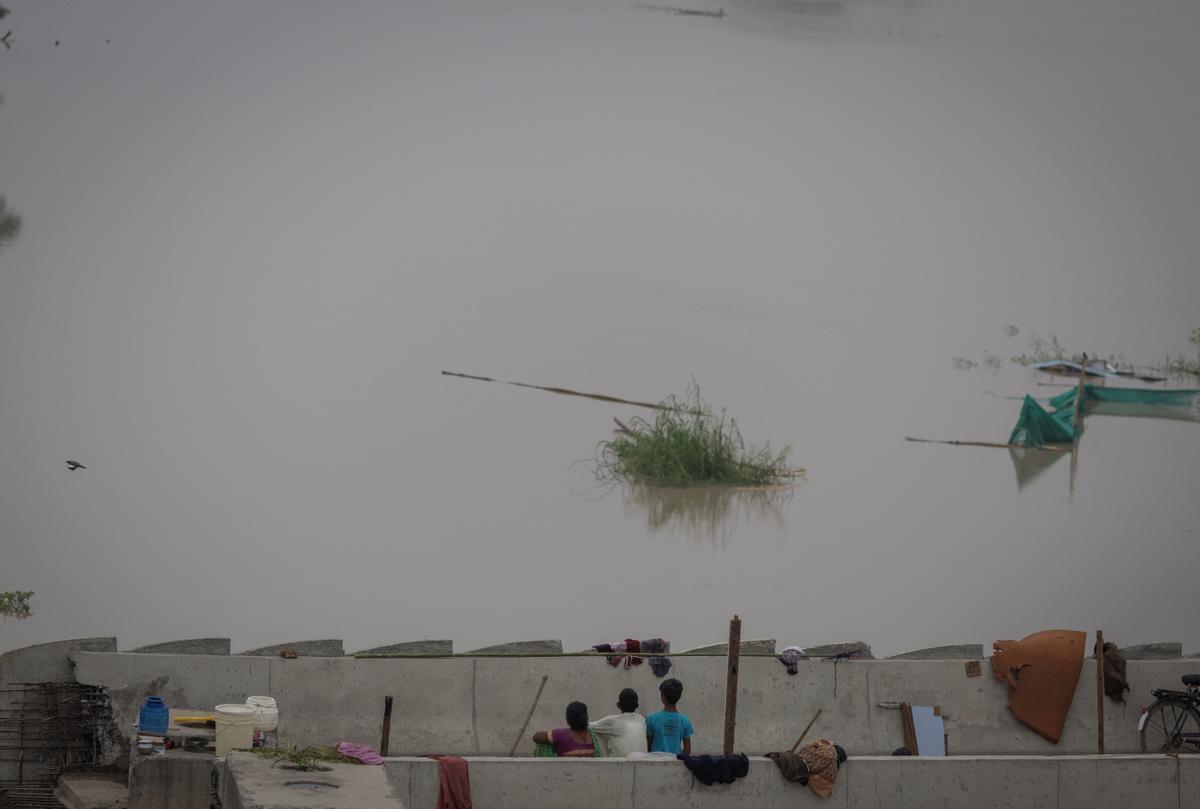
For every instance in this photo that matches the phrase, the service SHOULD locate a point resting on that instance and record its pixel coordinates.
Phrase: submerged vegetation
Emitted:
(1042, 350)
(686, 444)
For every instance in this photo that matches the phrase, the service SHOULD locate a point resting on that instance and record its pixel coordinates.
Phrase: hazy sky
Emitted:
(255, 232)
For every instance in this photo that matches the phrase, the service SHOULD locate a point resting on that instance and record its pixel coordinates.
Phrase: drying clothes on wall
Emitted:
(791, 767)
(790, 656)
(454, 791)
(711, 770)
(660, 665)
(1115, 684)
(824, 759)
(620, 652)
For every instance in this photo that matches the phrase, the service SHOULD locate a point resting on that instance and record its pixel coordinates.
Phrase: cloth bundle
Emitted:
(789, 657)
(632, 652)
(711, 770)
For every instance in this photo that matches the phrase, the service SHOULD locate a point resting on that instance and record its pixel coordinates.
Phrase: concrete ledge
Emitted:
(413, 647)
(523, 647)
(191, 646)
(765, 646)
(303, 648)
(883, 782)
(856, 647)
(1154, 651)
(962, 651)
(249, 782)
(48, 662)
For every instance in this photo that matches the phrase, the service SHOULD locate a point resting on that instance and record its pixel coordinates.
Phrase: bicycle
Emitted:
(1172, 723)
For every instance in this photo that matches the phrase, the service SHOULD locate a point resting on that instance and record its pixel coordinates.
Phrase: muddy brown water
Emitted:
(254, 233)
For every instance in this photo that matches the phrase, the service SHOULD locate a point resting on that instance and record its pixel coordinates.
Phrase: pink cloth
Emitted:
(359, 751)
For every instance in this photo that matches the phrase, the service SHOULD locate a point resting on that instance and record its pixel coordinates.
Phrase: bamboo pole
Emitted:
(807, 727)
(532, 708)
(1046, 448)
(1100, 689)
(731, 682)
(600, 397)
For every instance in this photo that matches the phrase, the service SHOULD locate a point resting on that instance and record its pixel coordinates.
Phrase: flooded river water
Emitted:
(252, 235)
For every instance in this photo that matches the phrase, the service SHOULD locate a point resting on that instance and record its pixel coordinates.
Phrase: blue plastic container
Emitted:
(154, 716)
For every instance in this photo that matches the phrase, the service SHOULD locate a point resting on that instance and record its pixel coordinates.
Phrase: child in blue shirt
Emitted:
(668, 730)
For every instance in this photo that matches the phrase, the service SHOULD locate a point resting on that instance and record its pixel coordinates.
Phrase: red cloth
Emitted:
(455, 792)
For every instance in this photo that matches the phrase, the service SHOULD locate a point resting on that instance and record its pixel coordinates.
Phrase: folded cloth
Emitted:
(790, 656)
(711, 770)
(655, 646)
(455, 789)
(603, 647)
(1115, 684)
(822, 759)
(359, 751)
(791, 766)
(660, 665)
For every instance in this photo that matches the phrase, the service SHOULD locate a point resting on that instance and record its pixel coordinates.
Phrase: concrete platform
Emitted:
(249, 782)
(77, 790)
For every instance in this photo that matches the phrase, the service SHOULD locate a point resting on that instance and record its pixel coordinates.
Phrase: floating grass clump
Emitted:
(686, 444)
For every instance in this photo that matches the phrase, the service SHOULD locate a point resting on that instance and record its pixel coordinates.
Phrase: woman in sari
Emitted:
(573, 741)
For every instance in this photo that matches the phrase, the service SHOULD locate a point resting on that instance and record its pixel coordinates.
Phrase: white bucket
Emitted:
(267, 718)
(235, 728)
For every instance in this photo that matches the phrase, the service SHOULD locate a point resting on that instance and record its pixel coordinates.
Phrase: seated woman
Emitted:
(573, 741)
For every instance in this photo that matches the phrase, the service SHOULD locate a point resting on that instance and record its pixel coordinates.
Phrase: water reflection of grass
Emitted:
(707, 513)
(10, 223)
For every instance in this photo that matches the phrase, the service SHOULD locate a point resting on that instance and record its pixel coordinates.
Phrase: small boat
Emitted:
(1095, 368)
(1098, 368)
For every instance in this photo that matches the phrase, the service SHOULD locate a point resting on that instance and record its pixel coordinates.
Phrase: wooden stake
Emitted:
(532, 708)
(1100, 688)
(387, 726)
(731, 682)
(1077, 420)
(807, 727)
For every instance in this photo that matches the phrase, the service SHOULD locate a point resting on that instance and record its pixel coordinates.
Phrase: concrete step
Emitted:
(78, 790)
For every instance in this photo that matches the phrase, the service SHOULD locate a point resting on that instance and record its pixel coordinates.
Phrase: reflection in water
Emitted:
(707, 512)
(10, 223)
(1029, 464)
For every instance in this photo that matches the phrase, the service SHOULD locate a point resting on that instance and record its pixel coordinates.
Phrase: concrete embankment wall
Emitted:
(973, 782)
(476, 705)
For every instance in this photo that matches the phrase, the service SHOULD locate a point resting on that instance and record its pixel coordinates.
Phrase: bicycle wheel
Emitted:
(1164, 725)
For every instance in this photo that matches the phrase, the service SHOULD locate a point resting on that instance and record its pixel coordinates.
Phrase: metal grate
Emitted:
(45, 730)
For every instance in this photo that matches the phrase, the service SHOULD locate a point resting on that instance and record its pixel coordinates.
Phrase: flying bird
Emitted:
(73, 465)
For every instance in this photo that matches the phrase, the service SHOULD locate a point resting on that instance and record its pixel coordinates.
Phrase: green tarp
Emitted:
(1037, 427)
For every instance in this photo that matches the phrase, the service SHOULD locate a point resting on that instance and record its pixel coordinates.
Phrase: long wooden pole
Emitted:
(731, 682)
(387, 726)
(1077, 421)
(1047, 448)
(532, 708)
(807, 727)
(1100, 688)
